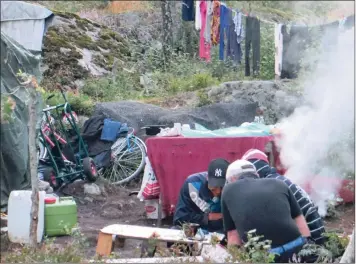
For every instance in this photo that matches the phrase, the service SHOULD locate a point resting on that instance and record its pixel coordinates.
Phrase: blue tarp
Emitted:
(245, 130)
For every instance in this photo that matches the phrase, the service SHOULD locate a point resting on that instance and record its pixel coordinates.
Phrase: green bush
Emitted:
(125, 86)
(267, 52)
(82, 104)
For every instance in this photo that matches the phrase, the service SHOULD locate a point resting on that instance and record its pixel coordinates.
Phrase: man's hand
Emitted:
(215, 216)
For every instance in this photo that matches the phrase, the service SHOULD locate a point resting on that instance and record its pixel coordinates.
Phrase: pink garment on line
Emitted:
(204, 48)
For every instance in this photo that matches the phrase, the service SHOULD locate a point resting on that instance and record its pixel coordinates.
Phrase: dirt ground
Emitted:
(345, 220)
(119, 207)
(115, 205)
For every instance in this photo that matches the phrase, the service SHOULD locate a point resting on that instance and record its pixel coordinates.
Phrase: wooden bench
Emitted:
(122, 232)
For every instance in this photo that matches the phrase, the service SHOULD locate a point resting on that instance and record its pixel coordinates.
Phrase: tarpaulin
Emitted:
(174, 159)
(244, 130)
(14, 158)
(25, 23)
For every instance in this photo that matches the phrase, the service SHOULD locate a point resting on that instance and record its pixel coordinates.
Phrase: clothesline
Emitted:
(246, 15)
(262, 20)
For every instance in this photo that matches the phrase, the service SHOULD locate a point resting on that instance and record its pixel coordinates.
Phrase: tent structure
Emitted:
(22, 28)
(25, 23)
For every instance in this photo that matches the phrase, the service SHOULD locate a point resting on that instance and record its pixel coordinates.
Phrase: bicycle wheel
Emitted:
(127, 160)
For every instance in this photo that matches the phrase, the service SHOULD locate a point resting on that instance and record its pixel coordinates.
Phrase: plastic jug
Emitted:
(60, 216)
(19, 216)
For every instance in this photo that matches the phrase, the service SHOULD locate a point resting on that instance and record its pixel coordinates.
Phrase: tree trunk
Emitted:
(167, 30)
(33, 167)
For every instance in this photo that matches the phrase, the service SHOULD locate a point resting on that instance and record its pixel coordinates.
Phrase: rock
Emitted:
(43, 186)
(81, 120)
(88, 199)
(64, 50)
(92, 189)
(215, 254)
(272, 96)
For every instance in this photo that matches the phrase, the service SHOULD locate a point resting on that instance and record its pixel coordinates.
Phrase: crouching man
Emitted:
(309, 210)
(199, 200)
(266, 205)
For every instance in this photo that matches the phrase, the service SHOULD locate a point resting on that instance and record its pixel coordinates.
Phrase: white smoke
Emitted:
(324, 126)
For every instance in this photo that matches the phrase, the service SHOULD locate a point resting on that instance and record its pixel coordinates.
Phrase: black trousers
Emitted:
(252, 40)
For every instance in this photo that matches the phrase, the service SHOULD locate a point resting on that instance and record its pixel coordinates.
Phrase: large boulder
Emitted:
(76, 48)
(275, 98)
(212, 116)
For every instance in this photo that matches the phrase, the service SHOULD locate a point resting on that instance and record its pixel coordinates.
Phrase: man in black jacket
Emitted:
(309, 210)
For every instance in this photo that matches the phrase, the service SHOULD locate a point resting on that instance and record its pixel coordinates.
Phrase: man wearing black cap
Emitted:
(199, 199)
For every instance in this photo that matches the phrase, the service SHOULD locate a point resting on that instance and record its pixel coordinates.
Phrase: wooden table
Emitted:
(122, 232)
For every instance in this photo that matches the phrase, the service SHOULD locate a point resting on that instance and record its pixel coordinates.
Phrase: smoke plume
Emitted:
(318, 138)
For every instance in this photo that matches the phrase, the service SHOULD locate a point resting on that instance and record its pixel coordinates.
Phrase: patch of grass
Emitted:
(84, 41)
(49, 252)
(203, 98)
(107, 34)
(53, 40)
(73, 6)
(106, 89)
(173, 84)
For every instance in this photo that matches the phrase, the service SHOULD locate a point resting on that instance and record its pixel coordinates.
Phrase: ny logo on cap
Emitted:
(218, 173)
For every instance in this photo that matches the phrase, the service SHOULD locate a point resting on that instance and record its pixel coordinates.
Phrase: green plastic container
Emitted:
(60, 217)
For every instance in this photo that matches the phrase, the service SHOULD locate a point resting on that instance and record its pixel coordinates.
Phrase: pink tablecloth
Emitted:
(174, 159)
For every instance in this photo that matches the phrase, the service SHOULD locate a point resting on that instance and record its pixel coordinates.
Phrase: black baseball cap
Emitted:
(217, 172)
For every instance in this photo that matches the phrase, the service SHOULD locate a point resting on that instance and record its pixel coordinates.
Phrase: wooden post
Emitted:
(105, 245)
(159, 213)
(32, 151)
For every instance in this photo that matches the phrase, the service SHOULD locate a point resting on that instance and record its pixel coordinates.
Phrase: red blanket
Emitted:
(173, 159)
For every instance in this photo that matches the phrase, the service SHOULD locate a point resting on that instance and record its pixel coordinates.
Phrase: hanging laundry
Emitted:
(239, 29)
(286, 65)
(197, 15)
(253, 37)
(188, 13)
(208, 21)
(215, 27)
(350, 22)
(223, 29)
(330, 34)
(342, 23)
(204, 47)
(278, 44)
(234, 50)
(227, 30)
(294, 47)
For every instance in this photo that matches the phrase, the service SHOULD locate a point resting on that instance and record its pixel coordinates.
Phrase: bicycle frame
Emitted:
(46, 130)
(67, 168)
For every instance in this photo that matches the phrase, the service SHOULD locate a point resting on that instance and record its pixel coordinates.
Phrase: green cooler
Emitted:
(60, 216)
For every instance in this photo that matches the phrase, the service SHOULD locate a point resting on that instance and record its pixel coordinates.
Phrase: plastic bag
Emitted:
(150, 188)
